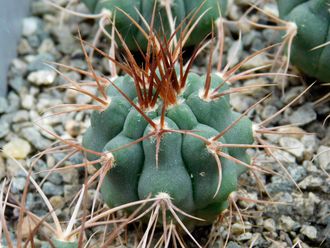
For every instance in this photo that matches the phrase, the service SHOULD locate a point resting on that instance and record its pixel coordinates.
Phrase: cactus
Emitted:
(168, 13)
(169, 133)
(311, 18)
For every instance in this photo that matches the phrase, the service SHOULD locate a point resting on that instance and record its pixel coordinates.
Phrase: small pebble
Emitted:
(70, 191)
(21, 116)
(303, 115)
(293, 146)
(17, 83)
(28, 101)
(2, 168)
(43, 77)
(237, 228)
(311, 182)
(244, 236)
(51, 189)
(30, 26)
(233, 244)
(24, 47)
(257, 61)
(309, 231)
(18, 184)
(34, 137)
(4, 128)
(13, 168)
(57, 202)
(269, 225)
(288, 224)
(70, 176)
(292, 131)
(27, 226)
(17, 148)
(3, 105)
(324, 157)
(73, 127)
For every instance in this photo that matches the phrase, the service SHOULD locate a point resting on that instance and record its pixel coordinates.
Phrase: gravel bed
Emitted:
(289, 218)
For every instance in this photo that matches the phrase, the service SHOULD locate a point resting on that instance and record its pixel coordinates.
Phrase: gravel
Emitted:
(303, 115)
(292, 215)
(42, 77)
(17, 148)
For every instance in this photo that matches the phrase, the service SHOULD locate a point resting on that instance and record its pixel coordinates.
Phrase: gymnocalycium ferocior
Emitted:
(169, 13)
(170, 134)
(309, 50)
(181, 152)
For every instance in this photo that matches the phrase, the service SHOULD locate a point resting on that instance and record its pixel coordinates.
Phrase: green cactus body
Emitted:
(312, 18)
(186, 169)
(180, 9)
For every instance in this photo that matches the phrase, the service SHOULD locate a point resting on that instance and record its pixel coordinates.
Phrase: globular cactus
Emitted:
(168, 15)
(309, 50)
(172, 133)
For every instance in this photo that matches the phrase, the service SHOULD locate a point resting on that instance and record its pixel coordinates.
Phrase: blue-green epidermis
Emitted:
(186, 170)
(311, 18)
(180, 10)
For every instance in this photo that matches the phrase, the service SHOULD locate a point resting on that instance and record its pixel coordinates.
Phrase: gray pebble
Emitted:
(13, 169)
(21, 116)
(271, 36)
(67, 43)
(240, 102)
(305, 206)
(17, 83)
(233, 244)
(249, 37)
(30, 26)
(47, 47)
(324, 157)
(70, 176)
(291, 94)
(311, 143)
(55, 178)
(297, 172)
(311, 182)
(3, 105)
(303, 115)
(269, 225)
(51, 189)
(34, 41)
(41, 7)
(280, 184)
(70, 191)
(27, 101)
(18, 67)
(268, 111)
(30, 201)
(293, 146)
(309, 231)
(13, 102)
(284, 157)
(24, 47)
(42, 77)
(288, 224)
(37, 63)
(34, 137)
(18, 184)
(4, 128)
(244, 236)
